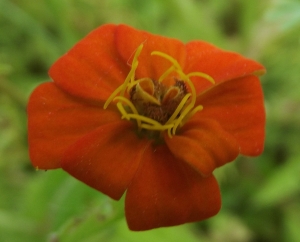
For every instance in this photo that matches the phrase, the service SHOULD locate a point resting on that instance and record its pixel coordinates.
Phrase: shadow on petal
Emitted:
(56, 120)
(203, 144)
(107, 158)
(128, 39)
(219, 64)
(238, 106)
(167, 192)
(93, 68)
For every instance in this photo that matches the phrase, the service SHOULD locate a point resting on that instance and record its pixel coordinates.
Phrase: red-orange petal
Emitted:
(219, 64)
(238, 106)
(204, 145)
(92, 69)
(107, 158)
(167, 192)
(56, 120)
(128, 40)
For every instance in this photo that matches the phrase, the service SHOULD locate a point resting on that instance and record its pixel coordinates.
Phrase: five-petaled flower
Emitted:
(149, 115)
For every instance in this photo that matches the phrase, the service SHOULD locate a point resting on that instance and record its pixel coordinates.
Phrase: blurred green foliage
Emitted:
(261, 196)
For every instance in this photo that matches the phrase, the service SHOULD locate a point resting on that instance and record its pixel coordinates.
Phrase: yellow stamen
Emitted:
(144, 119)
(191, 114)
(200, 74)
(145, 91)
(157, 127)
(135, 64)
(184, 111)
(129, 103)
(123, 111)
(134, 83)
(166, 73)
(178, 109)
(130, 78)
(112, 96)
(169, 58)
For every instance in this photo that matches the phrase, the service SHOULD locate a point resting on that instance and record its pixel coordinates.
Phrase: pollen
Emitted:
(153, 105)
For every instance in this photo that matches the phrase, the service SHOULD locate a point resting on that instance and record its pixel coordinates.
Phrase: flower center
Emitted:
(155, 100)
(152, 104)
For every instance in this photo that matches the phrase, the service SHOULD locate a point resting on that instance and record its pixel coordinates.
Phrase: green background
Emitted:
(261, 196)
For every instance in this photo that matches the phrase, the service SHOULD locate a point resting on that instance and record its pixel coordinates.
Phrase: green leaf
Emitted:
(286, 14)
(281, 185)
(174, 234)
(291, 221)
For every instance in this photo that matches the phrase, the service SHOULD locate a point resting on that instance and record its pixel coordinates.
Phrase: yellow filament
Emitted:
(179, 108)
(122, 111)
(112, 96)
(166, 73)
(130, 76)
(158, 127)
(169, 58)
(185, 109)
(144, 119)
(191, 114)
(130, 105)
(193, 91)
(135, 82)
(146, 96)
(200, 74)
(179, 120)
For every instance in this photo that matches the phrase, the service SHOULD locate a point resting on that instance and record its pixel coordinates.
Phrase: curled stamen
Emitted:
(133, 83)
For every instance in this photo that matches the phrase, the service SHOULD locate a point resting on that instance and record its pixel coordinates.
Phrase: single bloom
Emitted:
(129, 111)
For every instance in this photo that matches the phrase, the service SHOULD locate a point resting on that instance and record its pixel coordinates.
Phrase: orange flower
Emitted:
(149, 115)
